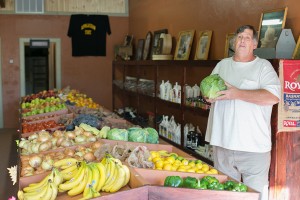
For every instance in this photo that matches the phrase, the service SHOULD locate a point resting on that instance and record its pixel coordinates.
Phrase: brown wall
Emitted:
(90, 75)
(220, 16)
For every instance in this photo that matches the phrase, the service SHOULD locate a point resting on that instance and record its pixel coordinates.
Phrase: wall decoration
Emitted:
(157, 41)
(147, 43)
(128, 40)
(229, 45)
(203, 45)
(139, 51)
(271, 24)
(184, 45)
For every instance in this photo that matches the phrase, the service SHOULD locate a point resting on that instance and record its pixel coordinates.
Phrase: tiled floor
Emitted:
(8, 158)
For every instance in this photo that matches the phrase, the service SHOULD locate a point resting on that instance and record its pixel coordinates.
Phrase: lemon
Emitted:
(214, 171)
(159, 168)
(174, 167)
(199, 171)
(192, 164)
(205, 167)
(185, 162)
(199, 165)
(159, 164)
(177, 162)
(191, 170)
(170, 159)
(155, 159)
(154, 154)
(208, 172)
(167, 167)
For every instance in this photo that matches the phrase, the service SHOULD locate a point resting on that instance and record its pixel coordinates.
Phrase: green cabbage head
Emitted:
(212, 84)
(117, 134)
(152, 136)
(136, 134)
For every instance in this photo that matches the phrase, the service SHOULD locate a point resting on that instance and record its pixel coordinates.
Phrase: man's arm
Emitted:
(260, 96)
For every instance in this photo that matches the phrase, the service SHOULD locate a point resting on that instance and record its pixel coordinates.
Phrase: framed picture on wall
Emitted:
(271, 24)
(184, 45)
(139, 50)
(156, 43)
(203, 45)
(147, 47)
(296, 53)
(229, 45)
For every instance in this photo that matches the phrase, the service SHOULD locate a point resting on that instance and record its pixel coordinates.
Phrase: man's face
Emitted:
(244, 43)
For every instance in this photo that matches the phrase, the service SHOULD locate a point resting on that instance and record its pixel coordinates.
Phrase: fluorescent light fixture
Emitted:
(271, 22)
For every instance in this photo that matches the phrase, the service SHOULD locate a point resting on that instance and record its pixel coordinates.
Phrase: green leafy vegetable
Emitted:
(117, 134)
(152, 136)
(212, 84)
(136, 134)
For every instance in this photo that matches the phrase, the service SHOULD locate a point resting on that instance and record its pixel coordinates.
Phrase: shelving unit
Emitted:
(189, 72)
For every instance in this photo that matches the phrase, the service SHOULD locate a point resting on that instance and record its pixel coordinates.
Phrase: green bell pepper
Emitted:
(239, 187)
(191, 182)
(228, 185)
(173, 181)
(210, 179)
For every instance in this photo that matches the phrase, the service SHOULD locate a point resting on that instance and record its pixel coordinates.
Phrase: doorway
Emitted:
(40, 68)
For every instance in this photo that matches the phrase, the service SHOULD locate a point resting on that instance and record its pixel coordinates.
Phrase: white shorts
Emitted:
(251, 168)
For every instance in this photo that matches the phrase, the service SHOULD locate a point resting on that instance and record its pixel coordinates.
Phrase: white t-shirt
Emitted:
(240, 125)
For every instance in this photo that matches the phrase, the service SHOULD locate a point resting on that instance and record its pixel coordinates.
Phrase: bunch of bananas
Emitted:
(47, 189)
(117, 175)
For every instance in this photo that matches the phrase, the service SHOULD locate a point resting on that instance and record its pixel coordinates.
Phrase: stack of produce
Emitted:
(79, 177)
(47, 189)
(163, 160)
(41, 95)
(74, 97)
(207, 182)
(40, 106)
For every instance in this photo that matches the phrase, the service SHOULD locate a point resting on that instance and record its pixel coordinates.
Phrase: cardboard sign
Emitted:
(289, 105)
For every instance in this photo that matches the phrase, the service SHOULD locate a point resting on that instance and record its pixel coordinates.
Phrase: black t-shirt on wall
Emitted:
(88, 33)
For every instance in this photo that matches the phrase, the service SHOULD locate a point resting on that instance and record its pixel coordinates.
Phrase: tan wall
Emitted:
(218, 15)
(90, 75)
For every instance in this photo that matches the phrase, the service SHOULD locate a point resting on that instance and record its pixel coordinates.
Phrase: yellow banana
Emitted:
(36, 195)
(75, 180)
(101, 182)
(115, 176)
(69, 175)
(127, 174)
(54, 192)
(111, 172)
(80, 187)
(91, 193)
(69, 169)
(67, 162)
(38, 186)
(89, 181)
(20, 195)
(120, 179)
(116, 160)
(58, 179)
(95, 176)
(48, 194)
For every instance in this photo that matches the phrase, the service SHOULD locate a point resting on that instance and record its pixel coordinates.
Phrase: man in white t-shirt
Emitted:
(239, 121)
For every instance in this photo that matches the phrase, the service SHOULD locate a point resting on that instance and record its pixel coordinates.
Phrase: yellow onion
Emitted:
(53, 141)
(47, 164)
(35, 147)
(78, 130)
(33, 136)
(96, 145)
(44, 136)
(80, 139)
(69, 152)
(45, 146)
(27, 171)
(89, 157)
(60, 140)
(57, 133)
(91, 138)
(23, 144)
(66, 143)
(35, 161)
(87, 133)
(70, 135)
